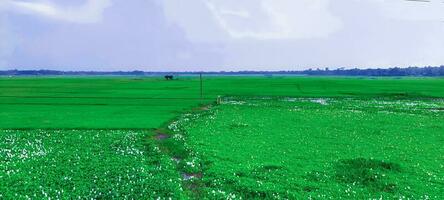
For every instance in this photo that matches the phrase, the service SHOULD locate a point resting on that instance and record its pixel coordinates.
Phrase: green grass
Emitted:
(320, 148)
(84, 164)
(131, 102)
(70, 137)
(99, 103)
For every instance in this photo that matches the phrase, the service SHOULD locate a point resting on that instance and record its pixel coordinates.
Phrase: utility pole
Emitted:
(201, 86)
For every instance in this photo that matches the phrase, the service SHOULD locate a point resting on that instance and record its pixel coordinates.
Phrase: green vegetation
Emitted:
(131, 102)
(144, 138)
(84, 164)
(320, 148)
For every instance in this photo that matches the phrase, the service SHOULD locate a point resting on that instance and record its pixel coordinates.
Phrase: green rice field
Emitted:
(247, 138)
(299, 148)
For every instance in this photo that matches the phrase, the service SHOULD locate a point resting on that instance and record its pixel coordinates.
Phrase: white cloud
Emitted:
(230, 34)
(90, 12)
(431, 10)
(257, 19)
(276, 19)
(7, 42)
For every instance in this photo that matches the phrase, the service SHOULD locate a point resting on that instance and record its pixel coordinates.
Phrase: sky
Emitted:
(219, 35)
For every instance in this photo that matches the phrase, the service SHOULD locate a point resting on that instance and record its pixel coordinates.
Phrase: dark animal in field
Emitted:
(169, 77)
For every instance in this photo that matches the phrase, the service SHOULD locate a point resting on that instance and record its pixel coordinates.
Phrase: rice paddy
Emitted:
(84, 164)
(268, 138)
(295, 148)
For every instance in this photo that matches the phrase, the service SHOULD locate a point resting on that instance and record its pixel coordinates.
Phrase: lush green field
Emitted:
(84, 164)
(71, 137)
(149, 102)
(320, 148)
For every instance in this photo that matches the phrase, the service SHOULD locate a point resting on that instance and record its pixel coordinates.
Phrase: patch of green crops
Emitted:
(149, 102)
(71, 137)
(84, 164)
(324, 148)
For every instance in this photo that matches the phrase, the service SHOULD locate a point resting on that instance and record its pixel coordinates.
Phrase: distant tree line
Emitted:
(409, 71)
(70, 73)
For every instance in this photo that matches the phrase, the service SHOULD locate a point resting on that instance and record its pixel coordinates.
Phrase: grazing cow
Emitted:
(169, 77)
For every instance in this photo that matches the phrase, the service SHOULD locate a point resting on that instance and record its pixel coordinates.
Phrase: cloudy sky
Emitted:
(214, 35)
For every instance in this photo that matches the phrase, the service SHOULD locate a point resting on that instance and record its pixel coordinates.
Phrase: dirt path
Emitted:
(165, 139)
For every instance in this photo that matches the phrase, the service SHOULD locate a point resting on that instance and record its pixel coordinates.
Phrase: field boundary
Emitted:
(171, 140)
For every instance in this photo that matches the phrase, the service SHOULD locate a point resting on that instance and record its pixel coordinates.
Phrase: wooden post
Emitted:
(201, 87)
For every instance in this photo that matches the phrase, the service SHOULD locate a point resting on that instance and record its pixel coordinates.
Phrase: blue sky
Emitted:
(214, 35)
